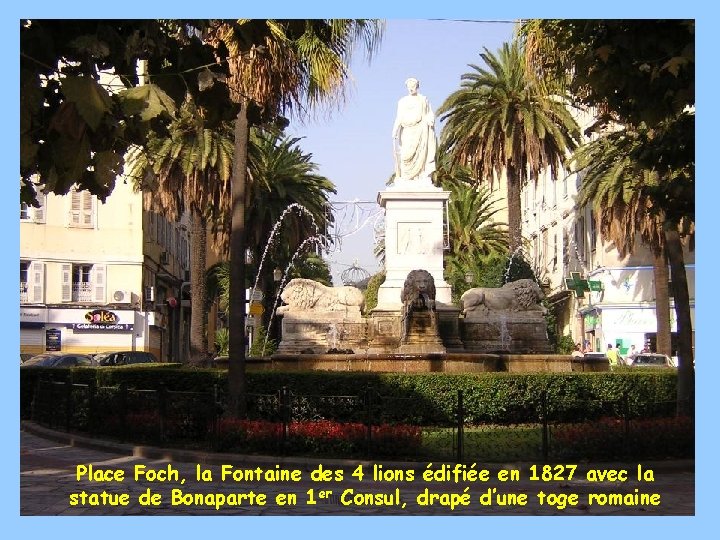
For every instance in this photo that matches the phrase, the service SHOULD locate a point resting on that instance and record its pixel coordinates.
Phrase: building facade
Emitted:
(564, 244)
(97, 277)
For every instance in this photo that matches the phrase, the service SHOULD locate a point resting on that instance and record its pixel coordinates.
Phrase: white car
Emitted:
(652, 360)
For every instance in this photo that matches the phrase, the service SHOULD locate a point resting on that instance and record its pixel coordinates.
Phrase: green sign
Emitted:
(575, 283)
(580, 286)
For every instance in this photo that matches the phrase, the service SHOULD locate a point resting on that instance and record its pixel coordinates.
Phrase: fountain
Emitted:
(415, 327)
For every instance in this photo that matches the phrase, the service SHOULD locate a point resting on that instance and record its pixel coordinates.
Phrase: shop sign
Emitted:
(102, 317)
(33, 317)
(95, 327)
(53, 340)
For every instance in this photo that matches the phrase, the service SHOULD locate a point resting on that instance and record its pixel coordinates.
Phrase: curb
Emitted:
(219, 458)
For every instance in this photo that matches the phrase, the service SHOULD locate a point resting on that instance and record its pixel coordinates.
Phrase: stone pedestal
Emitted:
(384, 330)
(517, 333)
(422, 334)
(414, 238)
(317, 333)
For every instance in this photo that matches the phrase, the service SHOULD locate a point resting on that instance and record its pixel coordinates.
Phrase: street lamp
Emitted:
(277, 275)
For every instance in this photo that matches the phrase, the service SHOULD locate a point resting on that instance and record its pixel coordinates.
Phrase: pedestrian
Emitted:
(577, 352)
(612, 355)
(630, 358)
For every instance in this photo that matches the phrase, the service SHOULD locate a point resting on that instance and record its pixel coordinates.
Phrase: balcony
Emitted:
(82, 292)
(23, 292)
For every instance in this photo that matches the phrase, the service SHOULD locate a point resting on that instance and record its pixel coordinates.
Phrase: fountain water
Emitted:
(274, 231)
(320, 243)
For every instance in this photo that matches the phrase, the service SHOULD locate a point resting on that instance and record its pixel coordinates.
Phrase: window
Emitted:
(82, 209)
(544, 249)
(553, 197)
(580, 239)
(24, 270)
(32, 282)
(554, 252)
(83, 283)
(31, 213)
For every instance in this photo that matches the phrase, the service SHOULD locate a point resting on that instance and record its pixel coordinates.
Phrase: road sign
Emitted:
(256, 309)
(256, 296)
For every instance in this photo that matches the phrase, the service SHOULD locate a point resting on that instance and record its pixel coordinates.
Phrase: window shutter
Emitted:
(75, 205)
(87, 208)
(67, 282)
(37, 275)
(39, 213)
(99, 283)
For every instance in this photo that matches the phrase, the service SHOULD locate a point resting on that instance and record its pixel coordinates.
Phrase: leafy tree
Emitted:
(75, 128)
(639, 75)
(500, 123)
(371, 293)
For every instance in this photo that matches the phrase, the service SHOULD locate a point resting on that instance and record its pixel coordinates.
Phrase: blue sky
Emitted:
(352, 146)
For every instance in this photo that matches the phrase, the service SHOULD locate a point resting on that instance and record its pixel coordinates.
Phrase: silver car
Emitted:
(58, 359)
(652, 360)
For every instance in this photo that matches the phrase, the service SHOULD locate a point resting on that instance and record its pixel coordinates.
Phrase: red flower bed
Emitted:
(321, 436)
(607, 438)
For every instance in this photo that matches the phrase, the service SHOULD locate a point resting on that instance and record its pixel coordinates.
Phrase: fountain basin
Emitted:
(460, 362)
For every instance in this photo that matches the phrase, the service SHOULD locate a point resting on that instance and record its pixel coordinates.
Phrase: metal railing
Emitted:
(365, 425)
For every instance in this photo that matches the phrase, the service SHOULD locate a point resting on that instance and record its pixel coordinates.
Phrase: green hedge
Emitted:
(419, 399)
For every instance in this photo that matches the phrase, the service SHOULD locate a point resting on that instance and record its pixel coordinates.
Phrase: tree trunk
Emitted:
(514, 189)
(661, 276)
(198, 291)
(237, 390)
(686, 360)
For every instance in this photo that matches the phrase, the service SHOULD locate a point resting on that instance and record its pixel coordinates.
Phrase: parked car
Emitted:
(596, 356)
(58, 359)
(124, 358)
(24, 357)
(652, 360)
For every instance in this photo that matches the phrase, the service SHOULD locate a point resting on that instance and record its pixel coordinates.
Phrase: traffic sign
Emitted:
(256, 309)
(256, 296)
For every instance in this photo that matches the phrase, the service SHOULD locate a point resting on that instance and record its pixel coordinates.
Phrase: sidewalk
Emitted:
(49, 463)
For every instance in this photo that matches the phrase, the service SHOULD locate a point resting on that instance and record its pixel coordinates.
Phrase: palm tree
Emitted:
(282, 177)
(275, 66)
(280, 174)
(621, 198)
(501, 122)
(474, 232)
(188, 167)
(628, 203)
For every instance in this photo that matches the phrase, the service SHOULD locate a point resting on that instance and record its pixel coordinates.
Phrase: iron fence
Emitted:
(368, 425)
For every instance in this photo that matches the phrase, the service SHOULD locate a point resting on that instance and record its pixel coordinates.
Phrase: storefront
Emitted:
(32, 330)
(81, 330)
(624, 326)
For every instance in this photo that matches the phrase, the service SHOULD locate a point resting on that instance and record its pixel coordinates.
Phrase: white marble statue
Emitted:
(303, 295)
(414, 131)
(523, 295)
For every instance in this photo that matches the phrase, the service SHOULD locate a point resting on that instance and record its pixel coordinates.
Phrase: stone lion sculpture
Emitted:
(417, 294)
(520, 295)
(305, 295)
